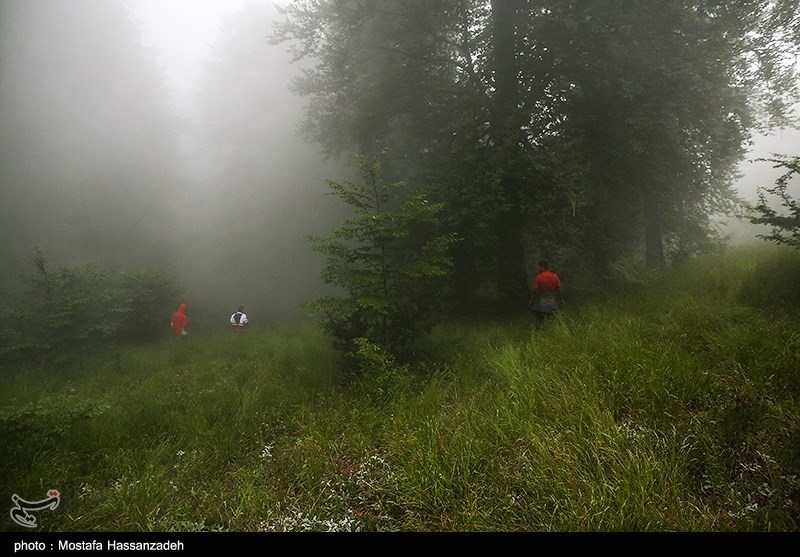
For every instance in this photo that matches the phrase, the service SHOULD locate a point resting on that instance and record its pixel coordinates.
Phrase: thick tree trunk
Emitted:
(506, 137)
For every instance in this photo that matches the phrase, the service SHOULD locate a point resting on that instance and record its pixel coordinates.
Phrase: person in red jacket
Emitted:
(180, 323)
(546, 298)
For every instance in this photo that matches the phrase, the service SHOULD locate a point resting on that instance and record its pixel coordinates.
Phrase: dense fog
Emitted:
(108, 150)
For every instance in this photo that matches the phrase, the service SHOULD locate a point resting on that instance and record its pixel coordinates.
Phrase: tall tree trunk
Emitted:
(653, 232)
(506, 137)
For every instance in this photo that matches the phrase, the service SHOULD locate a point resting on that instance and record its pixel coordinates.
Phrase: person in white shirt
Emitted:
(239, 321)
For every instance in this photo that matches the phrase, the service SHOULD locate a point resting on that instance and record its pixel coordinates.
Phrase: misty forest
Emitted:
(505, 265)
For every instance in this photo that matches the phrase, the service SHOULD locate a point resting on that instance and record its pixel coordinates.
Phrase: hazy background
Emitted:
(161, 132)
(252, 188)
(164, 132)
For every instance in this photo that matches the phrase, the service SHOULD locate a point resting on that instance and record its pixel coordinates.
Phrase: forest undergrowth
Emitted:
(670, 405)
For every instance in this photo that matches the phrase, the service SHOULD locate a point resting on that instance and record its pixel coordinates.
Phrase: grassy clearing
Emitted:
(670, 406)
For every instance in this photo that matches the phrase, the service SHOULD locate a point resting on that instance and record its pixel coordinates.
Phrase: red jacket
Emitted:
(179, 321)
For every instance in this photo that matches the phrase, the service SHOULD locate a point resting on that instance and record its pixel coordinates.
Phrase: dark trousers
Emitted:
(541, 317)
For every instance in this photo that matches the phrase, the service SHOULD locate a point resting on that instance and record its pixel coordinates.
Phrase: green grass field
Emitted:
(667, 406)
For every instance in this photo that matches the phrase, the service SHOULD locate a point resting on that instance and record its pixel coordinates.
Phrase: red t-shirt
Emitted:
(546, 281)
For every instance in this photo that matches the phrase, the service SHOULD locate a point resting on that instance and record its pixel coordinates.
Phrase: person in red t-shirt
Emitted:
(179, 323)
(546, 298)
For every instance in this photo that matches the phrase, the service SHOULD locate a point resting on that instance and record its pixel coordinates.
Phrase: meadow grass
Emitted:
(671, 406)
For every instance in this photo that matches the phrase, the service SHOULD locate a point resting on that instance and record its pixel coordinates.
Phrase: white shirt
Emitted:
(242, 322)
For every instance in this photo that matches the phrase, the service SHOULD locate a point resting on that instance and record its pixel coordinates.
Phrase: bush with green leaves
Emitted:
(150, 296)
(392, 261)
(785, 226)
(66, 310)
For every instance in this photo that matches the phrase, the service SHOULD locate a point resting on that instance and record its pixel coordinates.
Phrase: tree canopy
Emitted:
(580, 131)
(785, 222)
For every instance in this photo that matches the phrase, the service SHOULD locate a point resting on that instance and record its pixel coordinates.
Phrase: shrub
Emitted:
(69, 309)
(390, 259)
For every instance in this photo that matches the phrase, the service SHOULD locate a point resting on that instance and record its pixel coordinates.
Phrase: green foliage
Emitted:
(149, 296)
(69, 309)
(772, 285)
(598, 127)
(785, 226)
(381, 377)
(29, 427)
(674, 409)
(391, 260)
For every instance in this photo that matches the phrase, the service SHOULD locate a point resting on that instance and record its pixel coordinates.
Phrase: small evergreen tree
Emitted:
(392, 261)
(785, 227)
